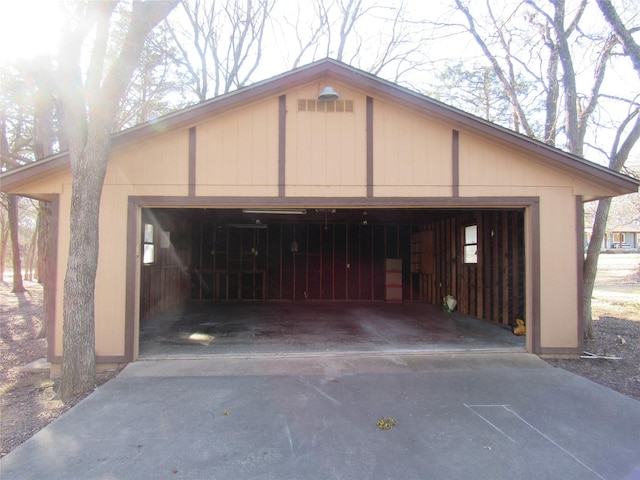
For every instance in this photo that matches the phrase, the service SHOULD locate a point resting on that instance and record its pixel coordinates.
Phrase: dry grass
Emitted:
(616, 311)
(617, 290)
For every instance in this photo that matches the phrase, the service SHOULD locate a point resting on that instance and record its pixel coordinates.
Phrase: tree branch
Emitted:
(631, 47)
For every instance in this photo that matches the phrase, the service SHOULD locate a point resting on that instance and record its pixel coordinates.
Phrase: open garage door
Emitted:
(213, 258)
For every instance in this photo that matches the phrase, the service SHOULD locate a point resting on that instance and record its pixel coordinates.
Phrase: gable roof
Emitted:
(374, 86)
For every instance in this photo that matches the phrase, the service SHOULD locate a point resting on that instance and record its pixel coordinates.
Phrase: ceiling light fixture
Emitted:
(247, 225)
(328, 94)
(276, 211)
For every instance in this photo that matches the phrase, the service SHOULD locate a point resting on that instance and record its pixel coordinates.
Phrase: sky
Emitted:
(28, 27)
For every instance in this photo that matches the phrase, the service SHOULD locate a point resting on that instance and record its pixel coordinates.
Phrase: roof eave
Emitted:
(373, 85)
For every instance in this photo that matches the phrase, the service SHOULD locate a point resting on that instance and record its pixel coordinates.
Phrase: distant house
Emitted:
(619, 237)
(626, 237)
(307, 187)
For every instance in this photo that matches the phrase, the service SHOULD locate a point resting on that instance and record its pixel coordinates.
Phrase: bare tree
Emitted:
(475, 89)
(388, 40)
(157, 84)
(4, 233)
(45, 141)
(12, 201)
(624, 34)
(626, 137)
(90, 105)
(307, 35)
(224, 44)
(569, 110)
(12, 216)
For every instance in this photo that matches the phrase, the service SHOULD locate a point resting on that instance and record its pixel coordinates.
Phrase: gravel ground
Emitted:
(28, 401)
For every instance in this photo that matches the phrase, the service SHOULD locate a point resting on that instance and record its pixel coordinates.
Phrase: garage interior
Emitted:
(294, 280)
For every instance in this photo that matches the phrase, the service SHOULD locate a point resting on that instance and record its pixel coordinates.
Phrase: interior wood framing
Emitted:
(337, 255)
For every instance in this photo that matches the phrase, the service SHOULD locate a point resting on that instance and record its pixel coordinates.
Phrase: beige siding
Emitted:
(63, 255)
(326, 151)
(412, 153)
(558, 271)
(487, 167)
(237, 153)
(43, 186)
(158, 166)
(490, 164)
(111, 274)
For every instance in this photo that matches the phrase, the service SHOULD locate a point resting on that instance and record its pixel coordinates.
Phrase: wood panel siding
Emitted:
(165, 283)
(493, 288)
(238, 153)
(161, 165)
(326, 152)
(413, 153)
(330, 262)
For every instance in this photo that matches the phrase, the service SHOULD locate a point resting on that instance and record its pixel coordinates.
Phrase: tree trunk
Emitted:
(591, 263)
(4, 238)
(88, 120)
(78, 337)
(44, 262)
(12, 202)
(31, 256)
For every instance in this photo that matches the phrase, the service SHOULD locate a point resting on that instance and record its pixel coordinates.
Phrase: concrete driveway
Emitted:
(459, 416)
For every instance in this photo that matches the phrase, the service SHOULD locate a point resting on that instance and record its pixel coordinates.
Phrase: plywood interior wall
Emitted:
(493, 289)
(166, 282)
(299, 261)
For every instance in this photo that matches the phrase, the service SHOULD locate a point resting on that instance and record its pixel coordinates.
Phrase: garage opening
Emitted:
(255, 279)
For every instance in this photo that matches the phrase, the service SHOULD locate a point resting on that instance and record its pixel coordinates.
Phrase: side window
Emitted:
(148, 245)
(471, 244)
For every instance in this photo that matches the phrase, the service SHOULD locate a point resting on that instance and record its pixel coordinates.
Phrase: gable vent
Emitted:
(312, 105)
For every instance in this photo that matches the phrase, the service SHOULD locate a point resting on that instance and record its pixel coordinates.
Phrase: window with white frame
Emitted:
(471, 244)
(148, 245)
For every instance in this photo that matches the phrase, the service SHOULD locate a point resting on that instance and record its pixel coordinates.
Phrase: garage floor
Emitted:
(203, 328)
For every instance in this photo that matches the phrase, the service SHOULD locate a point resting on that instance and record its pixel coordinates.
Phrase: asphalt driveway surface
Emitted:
(458, 416)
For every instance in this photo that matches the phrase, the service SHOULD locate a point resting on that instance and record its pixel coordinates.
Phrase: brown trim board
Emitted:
(51, 282)
(131, 286)
(192, 162)
(534, 210)
(369, 147)
(282, 144)
(455, 162)
(580, 272)
(138, 202)
(338, 202)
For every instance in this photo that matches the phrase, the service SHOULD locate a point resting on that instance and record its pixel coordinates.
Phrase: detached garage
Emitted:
(327, 186)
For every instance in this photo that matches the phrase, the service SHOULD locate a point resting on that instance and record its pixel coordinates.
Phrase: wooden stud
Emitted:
(192, 162)
(505, 268)
(495, 268)
(480, 271)
(515, 266)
